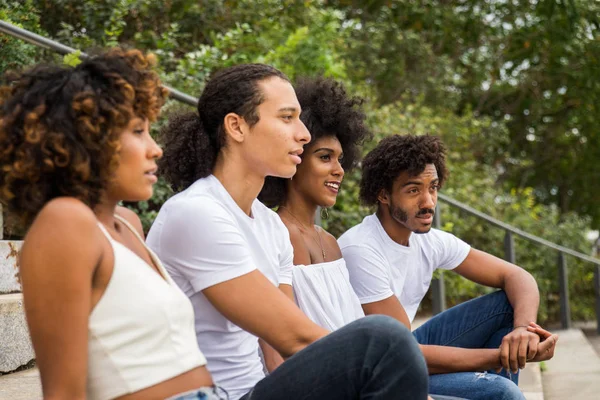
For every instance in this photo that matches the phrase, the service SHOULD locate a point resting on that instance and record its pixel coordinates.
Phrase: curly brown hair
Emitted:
(60, 127)
(327, 111)
(396, 154)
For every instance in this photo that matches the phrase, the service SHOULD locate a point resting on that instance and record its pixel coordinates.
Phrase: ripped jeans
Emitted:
(203, 393)
(475, 324)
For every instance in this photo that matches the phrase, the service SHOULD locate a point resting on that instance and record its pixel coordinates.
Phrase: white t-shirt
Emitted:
(380, 267)
(204, 238)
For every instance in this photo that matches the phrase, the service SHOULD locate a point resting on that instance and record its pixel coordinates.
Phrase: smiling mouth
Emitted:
(333, 185)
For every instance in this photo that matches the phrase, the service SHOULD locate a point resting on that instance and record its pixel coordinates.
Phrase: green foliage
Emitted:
(15, 53)
(511, 87)
(73, 59)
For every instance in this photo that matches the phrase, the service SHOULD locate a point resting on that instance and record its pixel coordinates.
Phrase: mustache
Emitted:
(424, 211)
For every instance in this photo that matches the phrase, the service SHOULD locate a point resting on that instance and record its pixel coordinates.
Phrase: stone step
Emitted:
(574, 371)
(24, 385)
(9, 266)
(530, 382)
(15, 345)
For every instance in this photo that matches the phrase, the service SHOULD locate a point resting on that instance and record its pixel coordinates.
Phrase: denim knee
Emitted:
(503, 388)
(384, 329)
(390, 332)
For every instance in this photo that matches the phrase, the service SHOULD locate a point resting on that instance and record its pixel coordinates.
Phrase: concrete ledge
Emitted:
(24, 385)
(9, 266)
(574, 370)
(15, 345)
(530, 382)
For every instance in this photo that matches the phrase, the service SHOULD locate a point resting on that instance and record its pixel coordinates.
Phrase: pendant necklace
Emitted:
(319, 242)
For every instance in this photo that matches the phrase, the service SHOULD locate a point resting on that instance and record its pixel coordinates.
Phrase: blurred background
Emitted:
(512, 87)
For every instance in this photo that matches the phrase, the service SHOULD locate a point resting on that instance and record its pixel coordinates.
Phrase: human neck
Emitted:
(105, 212)
(299, 208)
(238, 179)
(396, 231)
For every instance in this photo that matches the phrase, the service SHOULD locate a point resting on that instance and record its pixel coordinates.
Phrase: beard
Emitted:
(401, 216)
(398, 213)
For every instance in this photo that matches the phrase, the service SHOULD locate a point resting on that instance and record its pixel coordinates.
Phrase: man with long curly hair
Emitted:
(391, 257)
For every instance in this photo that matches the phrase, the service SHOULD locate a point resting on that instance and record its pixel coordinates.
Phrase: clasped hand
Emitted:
(526, 344)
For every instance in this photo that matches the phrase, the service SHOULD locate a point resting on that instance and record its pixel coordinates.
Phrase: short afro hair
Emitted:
(327, 110)
(395, 155)
(60, 127)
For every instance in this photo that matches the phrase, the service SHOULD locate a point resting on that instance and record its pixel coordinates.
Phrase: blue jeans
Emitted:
(374, 357)
(203, 393)
(475, 324)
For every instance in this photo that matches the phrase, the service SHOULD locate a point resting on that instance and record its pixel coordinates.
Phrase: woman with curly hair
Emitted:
(229, 253)
(320, 281)
(106, 320)
(321, 286)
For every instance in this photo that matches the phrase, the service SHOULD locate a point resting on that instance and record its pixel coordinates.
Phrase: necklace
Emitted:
(319, 242)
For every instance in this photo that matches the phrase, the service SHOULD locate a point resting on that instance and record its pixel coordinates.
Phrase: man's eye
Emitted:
(287, 117)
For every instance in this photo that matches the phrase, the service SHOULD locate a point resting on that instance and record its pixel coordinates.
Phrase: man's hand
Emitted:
(545, 350)
(518, 347)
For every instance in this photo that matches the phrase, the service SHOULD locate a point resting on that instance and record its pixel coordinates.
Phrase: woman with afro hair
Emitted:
(321, 287)
(320, 282)
(102, 312)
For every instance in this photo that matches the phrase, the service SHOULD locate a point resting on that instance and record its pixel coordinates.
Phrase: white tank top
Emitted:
(323, 292)
(141, 332)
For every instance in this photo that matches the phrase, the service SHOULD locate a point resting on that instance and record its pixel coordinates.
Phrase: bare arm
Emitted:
(391, 307)
(301, 257)
(440, 359)
(272, 358)
(58, 260)
(522, 292)
(520, 287)
(252, 302)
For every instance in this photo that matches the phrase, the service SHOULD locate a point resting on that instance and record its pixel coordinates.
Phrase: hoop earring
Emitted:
(324, 213)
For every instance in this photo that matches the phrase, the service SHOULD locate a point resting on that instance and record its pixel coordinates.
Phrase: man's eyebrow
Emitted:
(289, 109)
(412, 183)
(436, 180)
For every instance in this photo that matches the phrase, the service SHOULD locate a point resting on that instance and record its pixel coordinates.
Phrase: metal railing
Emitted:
(60, 48)
(437, 286)
(438, 289)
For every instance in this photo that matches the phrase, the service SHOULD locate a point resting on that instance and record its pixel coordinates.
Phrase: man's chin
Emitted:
(422, 230)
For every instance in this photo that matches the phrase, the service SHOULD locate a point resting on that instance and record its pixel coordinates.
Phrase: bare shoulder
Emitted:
(328, 238)
(63, 214)
(64, 228)
(132, 218)
(301, 252)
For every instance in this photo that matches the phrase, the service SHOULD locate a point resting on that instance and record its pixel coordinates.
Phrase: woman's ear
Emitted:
(235, 126)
